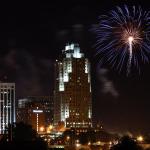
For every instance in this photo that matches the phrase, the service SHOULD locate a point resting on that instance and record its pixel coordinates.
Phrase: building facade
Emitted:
(36, 111)
(7, 105)
(37, 117)
(72, 94)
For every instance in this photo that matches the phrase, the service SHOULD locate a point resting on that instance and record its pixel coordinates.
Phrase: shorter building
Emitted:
(7, 105)
(37, 117)
(36, 111)
(22, 110)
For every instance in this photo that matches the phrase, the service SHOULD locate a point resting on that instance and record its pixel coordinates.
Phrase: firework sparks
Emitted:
(123, 38)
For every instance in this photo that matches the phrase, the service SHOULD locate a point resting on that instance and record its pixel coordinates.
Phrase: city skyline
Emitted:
(32, 40)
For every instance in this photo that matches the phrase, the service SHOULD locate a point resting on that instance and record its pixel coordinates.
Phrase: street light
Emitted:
(77, 144)
(68, 138)
(49, 128)
(98, 142)
(140, 138)
(42, 129)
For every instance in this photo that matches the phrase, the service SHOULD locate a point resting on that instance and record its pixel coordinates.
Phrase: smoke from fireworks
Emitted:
(123, 38)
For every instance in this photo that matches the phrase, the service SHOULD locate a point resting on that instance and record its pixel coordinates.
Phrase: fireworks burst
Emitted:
(123, 38)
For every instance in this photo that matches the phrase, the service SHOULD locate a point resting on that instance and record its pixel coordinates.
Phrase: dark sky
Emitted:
(32, 36)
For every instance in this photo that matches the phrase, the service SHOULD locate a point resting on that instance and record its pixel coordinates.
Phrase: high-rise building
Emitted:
(7, 105)
(72, 94)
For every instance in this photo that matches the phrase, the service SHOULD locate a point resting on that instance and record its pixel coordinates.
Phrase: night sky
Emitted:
(32, 36)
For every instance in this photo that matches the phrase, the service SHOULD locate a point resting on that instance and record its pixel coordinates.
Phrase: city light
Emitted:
(68, 138)
(37, 111)
(140, 138)
(49, 128)
(98, 142)
(77, 145)
(42, 129)
(77, 141)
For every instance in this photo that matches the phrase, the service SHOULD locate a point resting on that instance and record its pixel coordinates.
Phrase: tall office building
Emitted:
(7, 105)
(72, 94)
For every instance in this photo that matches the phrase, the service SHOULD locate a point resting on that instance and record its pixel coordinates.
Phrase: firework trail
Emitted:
(123, 38)
(130, 40)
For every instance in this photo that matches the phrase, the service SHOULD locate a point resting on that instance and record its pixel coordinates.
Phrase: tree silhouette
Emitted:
(126, 143)
(22, 136)
(71, 134)
(23, 132)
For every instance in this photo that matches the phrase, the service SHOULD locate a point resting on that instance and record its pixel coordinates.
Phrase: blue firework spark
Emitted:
(123, 38)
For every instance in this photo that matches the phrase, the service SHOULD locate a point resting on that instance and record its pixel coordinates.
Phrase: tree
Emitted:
(83, 138)
(71, 134)
(126, 143)
(22, 136)
(23, 132)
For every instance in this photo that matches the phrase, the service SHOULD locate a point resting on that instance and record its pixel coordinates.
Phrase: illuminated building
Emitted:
(36, 111)
(72, 94)
(7, 105)
(48, 107)
(22, 110)
(36, 116)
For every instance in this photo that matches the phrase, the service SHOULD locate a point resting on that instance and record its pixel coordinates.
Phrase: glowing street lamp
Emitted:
(42, 129)
(49, 128)
(68, 138)
(77, 144)
(140, 138)
(98, 142)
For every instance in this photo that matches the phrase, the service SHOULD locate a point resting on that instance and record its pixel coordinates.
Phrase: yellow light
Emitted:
(77, 141)
(98, 142)
(68, 138)
(140, 138)
(89, 143)
(42, 129)
(48, 131)
(50, 127)
(77, 145)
